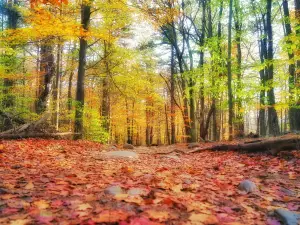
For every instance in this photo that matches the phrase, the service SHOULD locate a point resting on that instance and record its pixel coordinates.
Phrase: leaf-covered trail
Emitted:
(62, 182)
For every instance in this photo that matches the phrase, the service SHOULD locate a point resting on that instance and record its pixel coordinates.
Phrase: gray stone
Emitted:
(121, 155)
(287, 217)
(248, 186)
(128, 146)
(114, 190)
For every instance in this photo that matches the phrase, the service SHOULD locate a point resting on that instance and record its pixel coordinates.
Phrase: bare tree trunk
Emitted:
(172, 95)
(272, 114)
(294, 78)
(47, 71)
(56, 91)
(238, 29)
(191, 84)
(229, 75)
(85, 20)
(9, 100)
(167, 125)
(105, 106)
(203, 131)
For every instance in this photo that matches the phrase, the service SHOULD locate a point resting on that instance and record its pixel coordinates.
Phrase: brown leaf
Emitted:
(110, 216)
(203, 218)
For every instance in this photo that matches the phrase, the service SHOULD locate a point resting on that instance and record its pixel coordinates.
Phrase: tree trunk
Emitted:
(167, 126)
(172, 96)
(70, 99)
(47, 71)
(105, 106)
(191, 84)
(203, 131)
(85, 20)
(229, 75)
(294, 70)
(272, 145)
(56, 91)
(9, 99)
(272, 114)
(239, 123)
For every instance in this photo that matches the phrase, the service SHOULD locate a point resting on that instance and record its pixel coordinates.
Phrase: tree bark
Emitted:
(191, 84)
(229, 75)
(172, 96)
(239, 123)
(105, 106)
(9, 99)
(56, 91)
(47, 71)
(294, 70)
(85, 20)
(273, 124)
(203, 131)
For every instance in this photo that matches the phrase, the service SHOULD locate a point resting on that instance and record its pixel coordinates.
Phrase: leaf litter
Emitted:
(62, 182)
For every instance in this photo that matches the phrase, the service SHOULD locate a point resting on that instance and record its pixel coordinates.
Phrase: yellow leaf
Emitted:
(203, 218)
(84, 206)
(177, 188)
(41, 204)
(158, 215)
(29, 186)
(111, 216)
(20, 222)
(120, 197)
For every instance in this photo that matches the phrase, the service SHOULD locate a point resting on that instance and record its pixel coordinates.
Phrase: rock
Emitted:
(193, 145)
(128, 146)
(121, 154)
(287, 217)
(248, 186)
(114, 190)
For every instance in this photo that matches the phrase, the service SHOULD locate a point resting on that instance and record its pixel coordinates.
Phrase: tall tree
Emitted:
(8, 83)
(229, 74)
(47, 71)
(172, 95)
(239, 123)
(85, 21)
(273, 124)
(294, 68)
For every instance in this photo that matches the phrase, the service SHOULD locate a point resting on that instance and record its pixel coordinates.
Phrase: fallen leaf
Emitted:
(20, 222)
(110, 216)
(203, 218)
(84, 206)
(41, 204)
(158, 215)
(29, 186)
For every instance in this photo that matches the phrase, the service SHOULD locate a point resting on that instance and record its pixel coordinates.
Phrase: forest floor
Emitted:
(66, 182)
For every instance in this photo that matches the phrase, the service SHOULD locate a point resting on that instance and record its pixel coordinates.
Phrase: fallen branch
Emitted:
(36, 129)
(65, 135)
(273, 145)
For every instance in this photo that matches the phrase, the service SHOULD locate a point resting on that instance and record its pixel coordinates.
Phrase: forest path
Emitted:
(62, 182)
